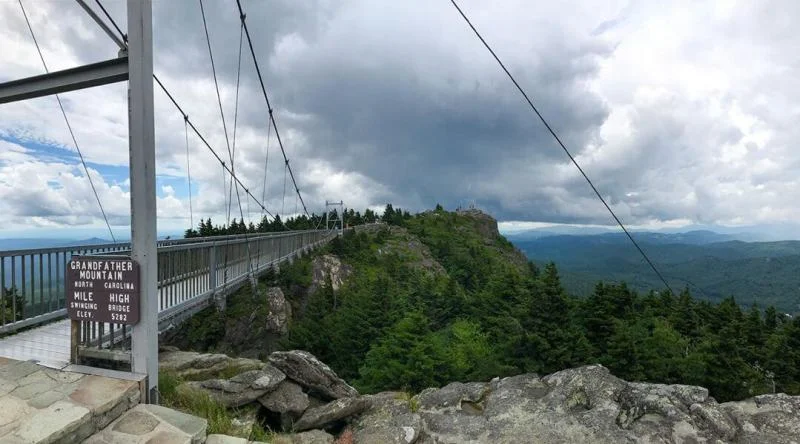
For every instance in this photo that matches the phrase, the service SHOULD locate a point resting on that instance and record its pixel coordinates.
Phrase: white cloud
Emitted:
(680, 111)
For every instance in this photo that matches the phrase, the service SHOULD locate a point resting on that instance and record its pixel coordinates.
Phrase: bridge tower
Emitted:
(338, 221)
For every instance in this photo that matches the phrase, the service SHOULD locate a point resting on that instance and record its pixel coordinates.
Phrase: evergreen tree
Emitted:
(406, 357)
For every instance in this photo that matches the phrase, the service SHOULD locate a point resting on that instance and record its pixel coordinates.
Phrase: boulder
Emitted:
(766, 418)
(242, 389)
(339, 409)
(310, 437)
(305, 369)
(280, 311)
(287, 397)
(197, 366)
(389, 419)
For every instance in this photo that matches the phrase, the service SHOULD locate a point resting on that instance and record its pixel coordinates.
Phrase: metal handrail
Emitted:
(188, 269)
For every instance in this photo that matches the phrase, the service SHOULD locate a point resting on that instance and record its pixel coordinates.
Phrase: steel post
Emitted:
(143, 190)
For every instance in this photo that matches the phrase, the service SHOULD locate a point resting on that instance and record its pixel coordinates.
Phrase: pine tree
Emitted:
(406, 357)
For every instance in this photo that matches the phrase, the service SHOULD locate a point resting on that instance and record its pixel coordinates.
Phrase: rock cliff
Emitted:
(585, 404)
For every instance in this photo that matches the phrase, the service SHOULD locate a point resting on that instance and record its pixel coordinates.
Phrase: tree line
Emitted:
(350, 217)
(397, 325)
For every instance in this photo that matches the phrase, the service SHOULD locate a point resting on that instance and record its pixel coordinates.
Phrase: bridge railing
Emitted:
(192, 276)
(32, 287)
(32, 283)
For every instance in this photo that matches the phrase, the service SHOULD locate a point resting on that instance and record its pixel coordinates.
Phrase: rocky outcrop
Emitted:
(588, 404)
(200, 366)
(327, 267)
(585, 404)
(309, 372)
(484, 223)
(287, 397)
(241, 389)
(319, 417)
(391, 418)
(310, 437)
(280, 311)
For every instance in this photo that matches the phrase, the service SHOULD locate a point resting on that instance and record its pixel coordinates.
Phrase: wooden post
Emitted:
(74, 341)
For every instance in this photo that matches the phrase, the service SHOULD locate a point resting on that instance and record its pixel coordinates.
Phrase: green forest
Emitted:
(753, 272)
(440, 296)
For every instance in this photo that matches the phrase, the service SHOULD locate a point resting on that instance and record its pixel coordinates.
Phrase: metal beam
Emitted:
(102, 24)
(144, 341)
(96, 74)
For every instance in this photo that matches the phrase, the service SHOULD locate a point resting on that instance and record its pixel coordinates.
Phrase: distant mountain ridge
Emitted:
(711, 264)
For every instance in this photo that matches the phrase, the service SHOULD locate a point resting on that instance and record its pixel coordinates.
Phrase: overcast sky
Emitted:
(682, 112)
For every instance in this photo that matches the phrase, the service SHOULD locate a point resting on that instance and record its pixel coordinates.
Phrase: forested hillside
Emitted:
(441, 296)
(764, 273)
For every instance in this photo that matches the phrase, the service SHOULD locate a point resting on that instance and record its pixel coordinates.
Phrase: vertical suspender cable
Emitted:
(242, 18)
(69, 127)
(189, 173)
(235, 120)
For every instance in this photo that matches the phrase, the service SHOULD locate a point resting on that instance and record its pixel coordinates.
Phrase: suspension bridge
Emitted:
(176, 278)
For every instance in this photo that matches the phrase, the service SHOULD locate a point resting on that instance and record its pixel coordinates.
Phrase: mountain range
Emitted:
(712, 265)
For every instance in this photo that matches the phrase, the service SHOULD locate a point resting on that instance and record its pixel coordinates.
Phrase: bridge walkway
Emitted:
(186, 286)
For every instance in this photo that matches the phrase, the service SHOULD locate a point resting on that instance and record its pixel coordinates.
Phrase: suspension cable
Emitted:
(111, 19)
(283, 199)
(235, 121)
(197, 132)
(69, 127)
(563, 147)
(266, 165)
(242, 18)
(210, 148)
(219, 100)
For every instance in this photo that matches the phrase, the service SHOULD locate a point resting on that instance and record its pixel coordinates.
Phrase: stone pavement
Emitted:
(148, 423)
(44, 405)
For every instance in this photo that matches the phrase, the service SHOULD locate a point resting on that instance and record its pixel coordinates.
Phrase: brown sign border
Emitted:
(100, 296)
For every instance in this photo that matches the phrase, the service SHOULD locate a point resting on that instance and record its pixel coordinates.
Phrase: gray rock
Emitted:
(305, 369)
(584, 404)
(287, 397)
(198, 366)
(327, 267)
(454, 396)
(333, 411)
(388, 420)
(265, 379)
(280, 311)
(242, 389)
(310, 437)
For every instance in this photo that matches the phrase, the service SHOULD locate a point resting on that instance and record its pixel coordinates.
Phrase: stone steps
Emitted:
(44, 405)
(148, 423)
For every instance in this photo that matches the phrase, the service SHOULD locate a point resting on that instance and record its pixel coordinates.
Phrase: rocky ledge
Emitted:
(300, 394)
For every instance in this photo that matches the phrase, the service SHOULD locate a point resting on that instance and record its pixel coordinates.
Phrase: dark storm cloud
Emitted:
(678, 112)
(418, 116)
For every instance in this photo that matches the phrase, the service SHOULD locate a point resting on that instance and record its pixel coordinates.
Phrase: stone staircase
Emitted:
(43, 405)
(148, 423)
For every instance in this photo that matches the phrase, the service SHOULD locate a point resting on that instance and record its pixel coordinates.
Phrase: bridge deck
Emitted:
(48, 344)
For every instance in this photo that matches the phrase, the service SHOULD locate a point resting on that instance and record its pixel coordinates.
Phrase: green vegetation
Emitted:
(763, 273)
(199, 403)
(440, 297)
(302, 222)
(13, 305)
(395, 325)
